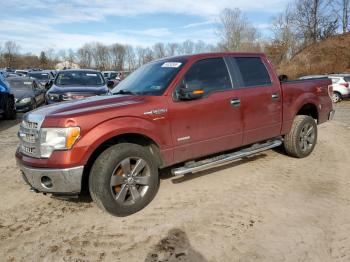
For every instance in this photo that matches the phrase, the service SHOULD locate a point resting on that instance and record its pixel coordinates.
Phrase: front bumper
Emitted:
(56, 181)
(23, 107)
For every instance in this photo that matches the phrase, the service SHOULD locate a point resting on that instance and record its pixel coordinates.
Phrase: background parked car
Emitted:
(21, 72)
(3, 73)
(76, 84)
(43, 77)
(28, 93)
(7, 100)
(112, 76)
(109, 75)
(340, 84)
(341, 88)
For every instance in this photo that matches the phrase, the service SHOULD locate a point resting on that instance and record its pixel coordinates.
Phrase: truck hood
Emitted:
(22, 93)
(87, 105)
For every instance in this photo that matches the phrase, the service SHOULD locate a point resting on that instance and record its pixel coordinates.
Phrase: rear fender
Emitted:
(291, 108)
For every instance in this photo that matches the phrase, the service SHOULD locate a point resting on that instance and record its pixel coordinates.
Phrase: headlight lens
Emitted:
(52, 139)
(54, 97)
(25, 100)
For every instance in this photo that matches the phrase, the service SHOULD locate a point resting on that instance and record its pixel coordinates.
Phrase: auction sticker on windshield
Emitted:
(171, 64)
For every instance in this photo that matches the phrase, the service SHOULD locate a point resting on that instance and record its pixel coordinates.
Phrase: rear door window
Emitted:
(253, 71)
(209, 74)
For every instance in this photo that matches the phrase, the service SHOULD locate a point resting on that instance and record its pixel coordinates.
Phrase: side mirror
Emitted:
(110, 84)
(283, 78)
(190, 92)
(49, 84)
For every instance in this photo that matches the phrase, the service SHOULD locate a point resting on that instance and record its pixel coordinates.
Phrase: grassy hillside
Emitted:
(329, 56)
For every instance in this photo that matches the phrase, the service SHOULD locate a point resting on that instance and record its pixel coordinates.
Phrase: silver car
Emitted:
(340, 84)
(341, 87)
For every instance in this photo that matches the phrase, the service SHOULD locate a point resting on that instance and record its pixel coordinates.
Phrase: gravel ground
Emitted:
(269, 207)
(342, 112)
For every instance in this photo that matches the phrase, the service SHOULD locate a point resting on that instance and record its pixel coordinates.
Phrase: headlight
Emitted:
(54, 97)
(25, 100)
(52, 139)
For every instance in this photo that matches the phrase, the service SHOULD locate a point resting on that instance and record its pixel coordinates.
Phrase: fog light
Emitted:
(46, 182)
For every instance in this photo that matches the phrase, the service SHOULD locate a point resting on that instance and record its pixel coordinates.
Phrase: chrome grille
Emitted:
(28, 150)
(74, 96)
(30, 125)
(29, 138)
(29, 135)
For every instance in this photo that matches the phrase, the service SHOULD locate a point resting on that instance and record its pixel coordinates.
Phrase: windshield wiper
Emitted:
(124, 92)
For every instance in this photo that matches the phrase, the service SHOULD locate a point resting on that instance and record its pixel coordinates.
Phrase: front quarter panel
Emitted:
(155, 128)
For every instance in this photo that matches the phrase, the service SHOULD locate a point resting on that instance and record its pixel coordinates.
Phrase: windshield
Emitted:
(347, 78)
(150, 79)
(79, 78)
(20, 84)
(39, 76)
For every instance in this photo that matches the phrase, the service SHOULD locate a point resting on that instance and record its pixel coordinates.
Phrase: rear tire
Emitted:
(124, 179)
(302, 138)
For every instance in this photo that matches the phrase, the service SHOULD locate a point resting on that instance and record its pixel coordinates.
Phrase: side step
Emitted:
(193, 167)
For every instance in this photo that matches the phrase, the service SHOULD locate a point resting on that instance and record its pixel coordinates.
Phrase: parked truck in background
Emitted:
(196, 111)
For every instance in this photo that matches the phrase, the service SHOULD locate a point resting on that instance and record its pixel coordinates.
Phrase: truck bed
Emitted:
(315, 91)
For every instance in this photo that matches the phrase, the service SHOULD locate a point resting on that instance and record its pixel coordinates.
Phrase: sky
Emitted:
(38, 25)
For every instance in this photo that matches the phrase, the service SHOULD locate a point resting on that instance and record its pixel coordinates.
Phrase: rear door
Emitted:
(260, 98)
(209, 124)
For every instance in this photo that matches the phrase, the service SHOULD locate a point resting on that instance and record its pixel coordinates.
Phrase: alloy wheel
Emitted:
(307, 137)
(130, 180)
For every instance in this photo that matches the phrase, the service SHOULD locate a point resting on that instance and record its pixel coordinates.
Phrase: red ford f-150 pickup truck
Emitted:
(201, 110)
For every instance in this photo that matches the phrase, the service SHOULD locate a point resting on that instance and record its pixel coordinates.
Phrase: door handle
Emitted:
(235, 102)
(275, 96)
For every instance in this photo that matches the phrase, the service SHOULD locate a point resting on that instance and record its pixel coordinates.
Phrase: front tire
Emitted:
(302, 138)
(10, 108)
(124, 179)
(34, 104)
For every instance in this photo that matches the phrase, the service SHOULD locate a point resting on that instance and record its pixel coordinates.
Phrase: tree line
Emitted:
(303, 22)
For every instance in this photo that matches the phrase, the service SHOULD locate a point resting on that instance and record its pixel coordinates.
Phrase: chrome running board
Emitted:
(193, 167)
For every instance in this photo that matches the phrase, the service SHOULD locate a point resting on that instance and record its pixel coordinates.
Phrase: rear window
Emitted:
(253, 71)
(347, 78)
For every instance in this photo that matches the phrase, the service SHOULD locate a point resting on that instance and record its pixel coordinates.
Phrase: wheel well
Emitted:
(125, 138)
(309, 110)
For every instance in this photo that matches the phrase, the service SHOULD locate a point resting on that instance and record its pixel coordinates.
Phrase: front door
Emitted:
(208, 124)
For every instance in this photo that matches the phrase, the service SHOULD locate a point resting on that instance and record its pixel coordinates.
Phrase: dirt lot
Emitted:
(267, 208)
